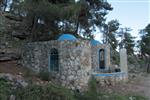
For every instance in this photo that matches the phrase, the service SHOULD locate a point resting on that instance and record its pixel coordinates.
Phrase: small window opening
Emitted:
(54, 60)
(101, 59)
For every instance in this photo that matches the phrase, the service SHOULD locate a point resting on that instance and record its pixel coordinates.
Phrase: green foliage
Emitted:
(1, 23)
(54, 17)
(136, 97)
(144, 44)
(44, 75)
(127, 40)
(118, 96)
(94, 94)
(141, 62)
(129, 43)
(2, 28)
(48, 92)
(56, 92)
(17, 43)
(5, 89)
(91, 93)
(115, 60)
(29, 73)
(65, 16)
(40, 17)
(110, 30)
(131, 60)
(92, 14)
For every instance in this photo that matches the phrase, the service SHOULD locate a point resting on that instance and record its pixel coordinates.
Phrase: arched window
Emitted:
(54, 60)
(101, 59)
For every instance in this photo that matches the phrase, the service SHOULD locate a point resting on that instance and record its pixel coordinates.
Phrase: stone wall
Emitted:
(110, 79)
(95, 56)
(74, 61)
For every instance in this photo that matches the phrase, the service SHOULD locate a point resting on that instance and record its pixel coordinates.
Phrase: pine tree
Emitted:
(128, 41)
(92, 15)
(48, 16)
(145, 45)
(109, 33)
(46, 19)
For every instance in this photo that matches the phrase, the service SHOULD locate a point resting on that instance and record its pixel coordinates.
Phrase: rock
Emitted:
(70, 78)
(12, 97)
(14, 79)
(21, 82)
(20, 35)
(8, 56)
(6, 76)
(20, 73)
(12, 17)
(132, 98)
(9, 77)
(63, 77)
(5, 58)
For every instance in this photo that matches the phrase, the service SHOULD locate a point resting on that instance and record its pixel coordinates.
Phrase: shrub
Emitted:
(48, 92)
(29, 72)
(91, 93)
(5, 89)
(44, 75)
(56, 92)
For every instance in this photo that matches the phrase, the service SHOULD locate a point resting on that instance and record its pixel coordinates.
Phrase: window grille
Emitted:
(54, 60)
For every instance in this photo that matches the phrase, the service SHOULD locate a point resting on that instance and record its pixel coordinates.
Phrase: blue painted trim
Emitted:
(105, 56)
(67, 37)
(98, 59)
(95, 42)
(110, 74)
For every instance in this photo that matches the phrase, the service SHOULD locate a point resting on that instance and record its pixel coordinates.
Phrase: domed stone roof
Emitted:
(67, 37)
(95, 42)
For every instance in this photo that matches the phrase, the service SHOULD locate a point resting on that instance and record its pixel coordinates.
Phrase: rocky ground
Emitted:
(11, 67)
(139, 84)
(13, 71)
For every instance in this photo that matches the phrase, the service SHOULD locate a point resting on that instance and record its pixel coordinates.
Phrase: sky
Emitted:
(134, 14)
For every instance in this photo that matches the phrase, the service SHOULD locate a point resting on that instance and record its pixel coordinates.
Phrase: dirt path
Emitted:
(11, 67)
(141, 86)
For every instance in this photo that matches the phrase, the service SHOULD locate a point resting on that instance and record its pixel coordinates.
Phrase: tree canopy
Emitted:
(46, 19)
(145, 41)
(127, 40)
(110, 32)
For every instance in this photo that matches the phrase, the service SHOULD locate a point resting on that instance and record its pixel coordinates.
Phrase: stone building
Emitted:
(72, 61)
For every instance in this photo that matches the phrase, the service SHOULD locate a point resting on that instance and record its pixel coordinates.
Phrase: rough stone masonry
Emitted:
(72, 62)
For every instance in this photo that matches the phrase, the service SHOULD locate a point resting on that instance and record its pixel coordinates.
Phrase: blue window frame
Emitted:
(54, 60)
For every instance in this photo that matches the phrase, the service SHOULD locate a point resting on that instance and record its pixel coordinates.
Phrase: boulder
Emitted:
(8, 56)
(20, 34)
(12, 97)
(16, 79)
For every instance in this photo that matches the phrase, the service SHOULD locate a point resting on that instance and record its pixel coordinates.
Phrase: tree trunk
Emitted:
(5, 5)
(33, 35)
(148, 64)
(77, 27)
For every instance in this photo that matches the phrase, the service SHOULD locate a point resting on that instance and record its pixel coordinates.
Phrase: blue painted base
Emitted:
(110, 74)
